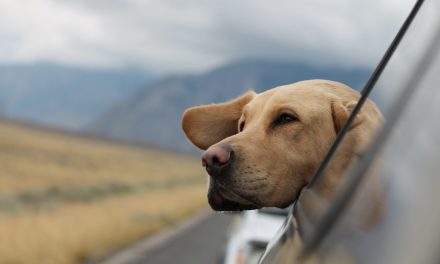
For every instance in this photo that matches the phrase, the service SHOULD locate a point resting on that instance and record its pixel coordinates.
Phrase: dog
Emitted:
(261, 149)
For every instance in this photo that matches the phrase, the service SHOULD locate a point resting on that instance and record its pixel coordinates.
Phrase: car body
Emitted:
(250, 232)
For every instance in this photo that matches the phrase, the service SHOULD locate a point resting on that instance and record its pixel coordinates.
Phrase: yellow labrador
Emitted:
(261, 149)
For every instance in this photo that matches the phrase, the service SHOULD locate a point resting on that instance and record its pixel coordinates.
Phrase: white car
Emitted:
(250, 232)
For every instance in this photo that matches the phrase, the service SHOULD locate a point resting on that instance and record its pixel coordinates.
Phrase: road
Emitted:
(198, 240)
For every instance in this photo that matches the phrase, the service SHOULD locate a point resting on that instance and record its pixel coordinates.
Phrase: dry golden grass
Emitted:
(33, 158)
(75, 232)
(55, 229)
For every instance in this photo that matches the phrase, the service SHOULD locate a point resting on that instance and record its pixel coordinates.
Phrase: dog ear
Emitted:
(208, 124)
(341, 112)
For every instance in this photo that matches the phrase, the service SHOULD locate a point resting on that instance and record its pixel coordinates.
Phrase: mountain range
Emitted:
(152, 114)
(135, 106)
(62, 96)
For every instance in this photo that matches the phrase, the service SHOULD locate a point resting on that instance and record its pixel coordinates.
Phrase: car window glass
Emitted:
(275, 211)
(405, 169)
(396, 74)
(406, 228)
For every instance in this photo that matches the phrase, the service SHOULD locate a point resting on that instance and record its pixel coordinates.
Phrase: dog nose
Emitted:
(217, 159)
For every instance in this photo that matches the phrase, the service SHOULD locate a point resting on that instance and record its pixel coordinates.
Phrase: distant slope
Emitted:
(153, 114)
(63, 96)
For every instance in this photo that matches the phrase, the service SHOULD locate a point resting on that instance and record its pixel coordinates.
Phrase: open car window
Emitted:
(316, 200)
(352, 235)
(405, 162)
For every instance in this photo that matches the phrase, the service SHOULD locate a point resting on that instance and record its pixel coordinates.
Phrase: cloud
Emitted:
(167, 36)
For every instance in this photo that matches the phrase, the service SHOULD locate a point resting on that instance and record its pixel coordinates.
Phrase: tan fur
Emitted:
(274, 162)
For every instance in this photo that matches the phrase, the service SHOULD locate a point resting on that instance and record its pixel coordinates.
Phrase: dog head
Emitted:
(261, 149)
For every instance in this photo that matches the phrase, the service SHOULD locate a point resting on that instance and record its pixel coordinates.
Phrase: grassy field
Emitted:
(66, 199)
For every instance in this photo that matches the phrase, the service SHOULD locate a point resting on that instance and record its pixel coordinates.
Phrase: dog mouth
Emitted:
(221, 199)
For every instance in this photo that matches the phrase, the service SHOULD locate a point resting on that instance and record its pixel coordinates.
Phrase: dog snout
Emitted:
(217, 159)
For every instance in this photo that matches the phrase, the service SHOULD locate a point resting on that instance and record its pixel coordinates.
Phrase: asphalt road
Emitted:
(200, 242)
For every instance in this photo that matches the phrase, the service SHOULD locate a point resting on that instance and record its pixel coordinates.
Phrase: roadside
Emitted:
(199, 239)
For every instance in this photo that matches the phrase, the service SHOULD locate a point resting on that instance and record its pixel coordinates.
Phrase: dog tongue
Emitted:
(218, 199)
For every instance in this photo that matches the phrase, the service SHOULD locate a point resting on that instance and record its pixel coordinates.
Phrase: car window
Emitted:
(275, 211)
(398, 73)
(405, 158)
(354, 138)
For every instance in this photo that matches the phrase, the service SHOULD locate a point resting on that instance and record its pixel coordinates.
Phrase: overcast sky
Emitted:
(176, 36)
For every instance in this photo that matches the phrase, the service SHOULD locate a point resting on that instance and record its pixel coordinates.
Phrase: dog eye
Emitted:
(285, 118)
(241, 127)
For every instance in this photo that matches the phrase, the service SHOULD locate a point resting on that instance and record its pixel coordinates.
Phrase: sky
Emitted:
(176, 36)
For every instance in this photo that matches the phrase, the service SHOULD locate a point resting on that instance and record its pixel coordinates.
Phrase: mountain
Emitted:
(152, 115)
(61, 96)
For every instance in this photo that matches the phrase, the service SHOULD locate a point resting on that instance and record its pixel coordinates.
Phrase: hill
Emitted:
(63, 96)
(152, 115)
